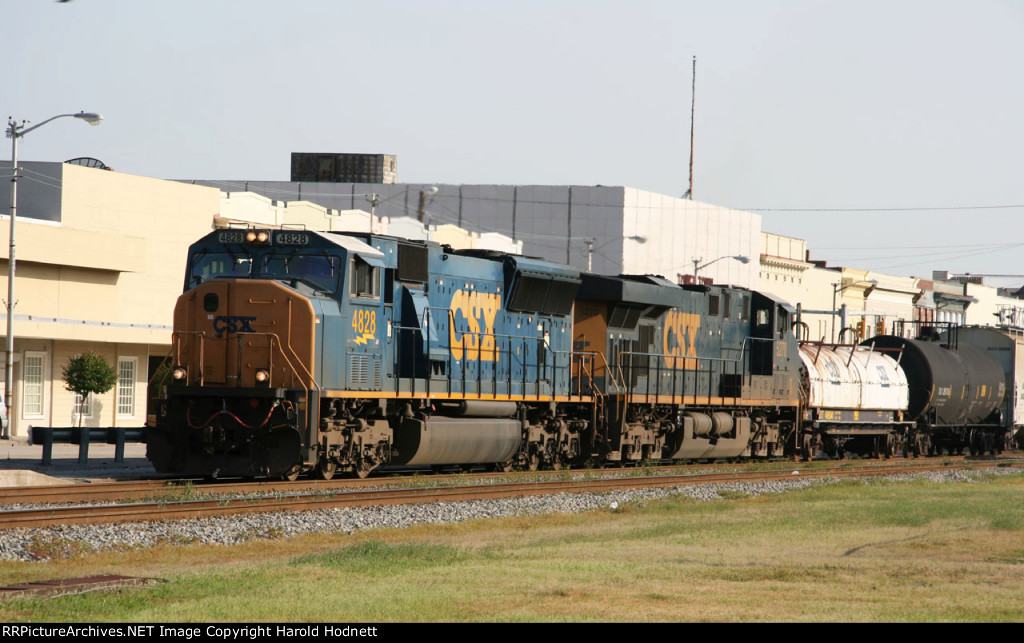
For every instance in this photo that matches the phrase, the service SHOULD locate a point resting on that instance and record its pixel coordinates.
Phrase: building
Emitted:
(341, 168)
(609, 230)
(100, 257)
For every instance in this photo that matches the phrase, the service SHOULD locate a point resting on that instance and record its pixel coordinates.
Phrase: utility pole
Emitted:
(693, 107)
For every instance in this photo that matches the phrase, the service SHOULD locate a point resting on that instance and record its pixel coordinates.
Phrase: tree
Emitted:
(87, 373)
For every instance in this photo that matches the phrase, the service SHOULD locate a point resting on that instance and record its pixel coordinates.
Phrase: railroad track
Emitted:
(322, 496)
(186, 489)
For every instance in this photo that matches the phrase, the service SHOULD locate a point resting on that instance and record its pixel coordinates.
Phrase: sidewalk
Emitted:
(18, 461)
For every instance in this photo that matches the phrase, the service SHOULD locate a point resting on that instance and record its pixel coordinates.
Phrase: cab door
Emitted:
(365, 324)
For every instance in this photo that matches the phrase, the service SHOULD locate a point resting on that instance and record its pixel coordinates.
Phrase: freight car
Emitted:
(856, 400)
(955, 391)
(1006, 345)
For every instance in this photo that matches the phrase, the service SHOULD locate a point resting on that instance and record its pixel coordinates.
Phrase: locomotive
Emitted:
(297, 351)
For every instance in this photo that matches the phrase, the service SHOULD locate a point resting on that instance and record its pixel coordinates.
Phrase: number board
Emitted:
(231, 236)
(292, 238)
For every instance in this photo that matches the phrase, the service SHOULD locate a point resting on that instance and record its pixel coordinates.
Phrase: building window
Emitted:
(33, 374)
(126, 386)
(83, 407)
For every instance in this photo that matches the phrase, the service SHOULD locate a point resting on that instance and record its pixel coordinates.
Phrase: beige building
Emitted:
(831, 299)
(100, 260)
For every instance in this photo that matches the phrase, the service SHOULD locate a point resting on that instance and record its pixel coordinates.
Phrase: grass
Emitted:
(851, 551)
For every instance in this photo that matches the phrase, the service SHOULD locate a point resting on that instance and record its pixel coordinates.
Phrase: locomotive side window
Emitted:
(713, 305)
(365, 280)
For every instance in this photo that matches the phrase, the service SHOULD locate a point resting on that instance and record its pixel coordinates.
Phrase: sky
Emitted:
(888, 134)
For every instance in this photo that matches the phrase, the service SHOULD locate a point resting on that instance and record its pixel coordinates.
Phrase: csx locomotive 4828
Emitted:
(298, 351)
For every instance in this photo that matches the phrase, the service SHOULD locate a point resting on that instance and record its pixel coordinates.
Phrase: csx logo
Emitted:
(680, 339)
(478, 309)
(233, 324)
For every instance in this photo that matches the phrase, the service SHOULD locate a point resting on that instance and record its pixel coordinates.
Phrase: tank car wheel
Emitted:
(806, 450)
(891, 445)
(325, 469)
(291, 475)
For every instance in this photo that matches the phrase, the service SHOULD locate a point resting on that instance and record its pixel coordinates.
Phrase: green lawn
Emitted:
(851, 551)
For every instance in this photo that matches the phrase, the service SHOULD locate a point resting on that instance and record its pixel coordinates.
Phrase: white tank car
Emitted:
(853, 377)
(856, 400)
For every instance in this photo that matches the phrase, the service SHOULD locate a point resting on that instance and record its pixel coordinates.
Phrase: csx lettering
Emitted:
(232, 324)
(479, 309)
(679, 339)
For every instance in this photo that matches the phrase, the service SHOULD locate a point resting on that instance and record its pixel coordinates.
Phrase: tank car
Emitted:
(856, 399)
(1006, 345)
(298, 351)
(955, 390)
(687, 372)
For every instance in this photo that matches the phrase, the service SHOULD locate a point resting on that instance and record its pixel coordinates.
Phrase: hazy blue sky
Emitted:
(886, 124)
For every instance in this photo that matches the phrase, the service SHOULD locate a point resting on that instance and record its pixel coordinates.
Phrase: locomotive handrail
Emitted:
(561, 367)
(176, 348)
(675, 360)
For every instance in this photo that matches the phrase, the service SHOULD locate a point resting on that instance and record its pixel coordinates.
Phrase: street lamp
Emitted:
(837, 288)
(697, 265)
(590, 247)
(15, 131)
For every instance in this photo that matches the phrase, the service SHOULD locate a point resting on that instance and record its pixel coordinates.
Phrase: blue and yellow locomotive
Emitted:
(296, 351)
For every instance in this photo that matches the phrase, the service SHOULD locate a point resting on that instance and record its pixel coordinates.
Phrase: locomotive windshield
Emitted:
(319, 271)
(208, 265)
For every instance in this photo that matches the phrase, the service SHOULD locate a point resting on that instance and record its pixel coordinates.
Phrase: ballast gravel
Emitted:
(32, 544)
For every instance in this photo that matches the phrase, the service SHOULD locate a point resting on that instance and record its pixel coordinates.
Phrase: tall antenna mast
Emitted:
(693, 105)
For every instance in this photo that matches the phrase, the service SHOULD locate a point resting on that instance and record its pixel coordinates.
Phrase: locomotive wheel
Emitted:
(533, 459)
(325, 469)
(362, 468)
(503, 467)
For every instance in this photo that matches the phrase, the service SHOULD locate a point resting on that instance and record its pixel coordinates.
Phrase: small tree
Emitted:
(88, 373)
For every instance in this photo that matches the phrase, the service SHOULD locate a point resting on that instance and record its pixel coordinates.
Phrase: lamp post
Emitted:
(697, 265)
(16, 130)
(837, 288)
(590, 247)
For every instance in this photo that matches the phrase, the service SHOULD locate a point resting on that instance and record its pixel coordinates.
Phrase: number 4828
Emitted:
(364, 322)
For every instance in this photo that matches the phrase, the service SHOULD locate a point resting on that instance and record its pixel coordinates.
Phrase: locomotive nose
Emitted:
(245, 333)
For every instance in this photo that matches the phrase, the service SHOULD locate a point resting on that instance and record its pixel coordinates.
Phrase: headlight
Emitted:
(179, 373)
(262, 376)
